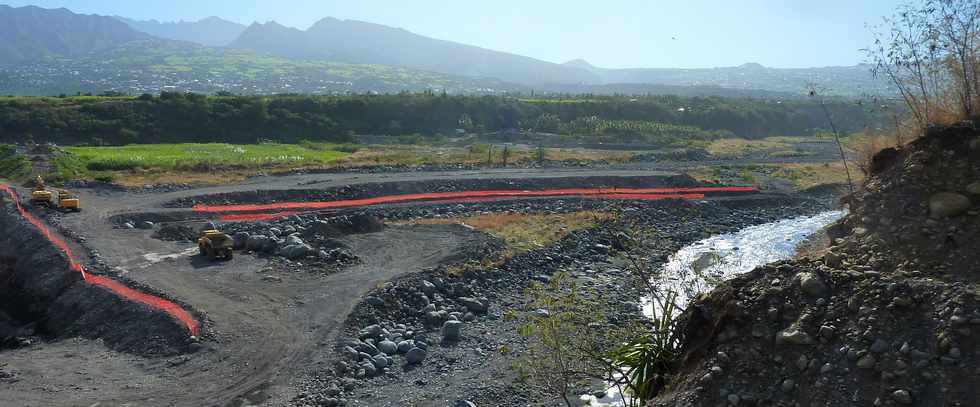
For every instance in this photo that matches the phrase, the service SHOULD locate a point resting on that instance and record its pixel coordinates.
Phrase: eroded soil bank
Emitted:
(42, 298)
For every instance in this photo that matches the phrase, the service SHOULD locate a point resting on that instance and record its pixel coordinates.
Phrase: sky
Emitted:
(607, 33)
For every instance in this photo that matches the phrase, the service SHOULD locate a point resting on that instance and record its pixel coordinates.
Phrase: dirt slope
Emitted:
(890, 315)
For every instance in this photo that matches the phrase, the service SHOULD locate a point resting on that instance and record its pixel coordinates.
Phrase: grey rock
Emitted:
(973, 189)
(367, 348)
(374, 301)
(370, 370)
(827, 331)
(388, 347)
(793, 335)
(947, 204)
(734, 399)
(146, 225)
(405, 346)
(813, 285)
(473, 305)
(433, 318)
(294, 240)
(464, 403)
(428, 288)
(296, 251)
(415, 356)
(867, 362)
(878, 346)
(371, 331)
(451, 330)
(832, 259)
(380, 361)
(788, 385)
(260, 243)
(902, 396)
(351, 353)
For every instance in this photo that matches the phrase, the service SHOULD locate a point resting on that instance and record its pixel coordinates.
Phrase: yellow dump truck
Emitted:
(68, 202)
(215, 245)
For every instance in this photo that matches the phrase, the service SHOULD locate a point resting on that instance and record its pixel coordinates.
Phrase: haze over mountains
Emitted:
(211, 31)
(37, 44)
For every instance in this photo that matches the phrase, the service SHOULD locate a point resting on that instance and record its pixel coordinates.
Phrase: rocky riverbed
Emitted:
(438, 338)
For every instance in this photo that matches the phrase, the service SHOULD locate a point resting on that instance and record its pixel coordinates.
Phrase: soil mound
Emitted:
(42, 298)
(890, 315)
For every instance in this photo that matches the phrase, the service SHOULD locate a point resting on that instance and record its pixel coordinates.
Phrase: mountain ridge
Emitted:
(363, 42)
(211, 31)
(31, 33)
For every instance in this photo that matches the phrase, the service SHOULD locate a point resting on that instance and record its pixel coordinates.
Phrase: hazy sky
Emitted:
(609, 33)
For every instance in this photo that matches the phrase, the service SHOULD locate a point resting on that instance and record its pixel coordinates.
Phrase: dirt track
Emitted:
(261, 337)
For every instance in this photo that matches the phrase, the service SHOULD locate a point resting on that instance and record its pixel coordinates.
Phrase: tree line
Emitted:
(185, 117)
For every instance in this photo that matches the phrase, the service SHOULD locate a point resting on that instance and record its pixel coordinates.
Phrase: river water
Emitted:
(699, 267)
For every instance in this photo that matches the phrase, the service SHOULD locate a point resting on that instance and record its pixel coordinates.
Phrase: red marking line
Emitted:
(155, 302)
(622, 193)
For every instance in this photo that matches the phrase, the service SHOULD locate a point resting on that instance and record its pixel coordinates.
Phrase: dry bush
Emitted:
(931, 52)
(868, 145)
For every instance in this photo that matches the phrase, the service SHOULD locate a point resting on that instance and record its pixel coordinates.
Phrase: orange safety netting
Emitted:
(155, 302)
(624, 193)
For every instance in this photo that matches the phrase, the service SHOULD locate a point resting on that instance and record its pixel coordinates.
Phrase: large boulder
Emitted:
(948, 204)
(473, 305)
(292, 240)
(451, 330)
(295, 251)
(260, 243)
(415, 356)
(813, 285)
(388, 347)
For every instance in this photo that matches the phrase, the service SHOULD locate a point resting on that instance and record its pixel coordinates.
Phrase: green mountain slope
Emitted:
(31, 33)
(160, 65)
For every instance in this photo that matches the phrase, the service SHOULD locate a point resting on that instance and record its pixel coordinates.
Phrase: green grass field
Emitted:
(12, 166)
(213, 162)
(189, 156)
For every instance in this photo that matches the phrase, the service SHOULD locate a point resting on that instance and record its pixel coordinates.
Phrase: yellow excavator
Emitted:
(40, 196)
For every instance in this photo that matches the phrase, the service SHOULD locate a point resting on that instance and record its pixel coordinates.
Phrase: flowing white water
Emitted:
(699, 267)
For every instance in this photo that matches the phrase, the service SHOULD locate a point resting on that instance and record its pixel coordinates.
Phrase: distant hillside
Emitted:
(31, 33)
(843, 80)
(151, 66)
(211, 31)
(366, 43)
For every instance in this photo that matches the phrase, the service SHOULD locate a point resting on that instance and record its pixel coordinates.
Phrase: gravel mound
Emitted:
(889, 315)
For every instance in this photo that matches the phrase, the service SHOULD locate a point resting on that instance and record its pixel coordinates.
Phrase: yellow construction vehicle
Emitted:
(214, 244)
(68, 202)
(40, 196)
